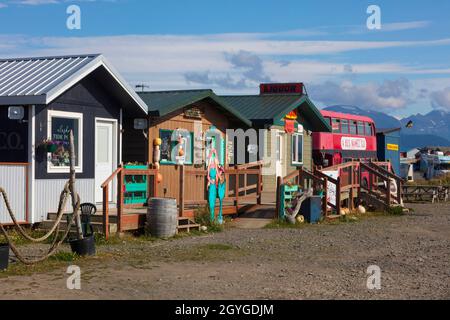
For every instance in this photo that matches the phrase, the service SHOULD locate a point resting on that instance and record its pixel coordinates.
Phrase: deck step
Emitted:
(94, 218)
(97, 226)
(187, 224)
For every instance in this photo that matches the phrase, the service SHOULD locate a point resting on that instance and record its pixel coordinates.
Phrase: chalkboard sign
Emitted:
(60, 133)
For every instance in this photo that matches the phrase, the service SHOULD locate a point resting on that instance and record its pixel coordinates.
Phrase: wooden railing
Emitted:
(385, 179)
(237, 189)
(120, 175)
(306, 179)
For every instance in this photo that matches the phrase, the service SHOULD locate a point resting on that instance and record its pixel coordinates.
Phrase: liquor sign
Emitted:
(281, 88)
(348, 143)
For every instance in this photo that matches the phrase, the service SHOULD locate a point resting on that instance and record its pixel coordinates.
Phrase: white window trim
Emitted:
(69, 115)
(292, 146)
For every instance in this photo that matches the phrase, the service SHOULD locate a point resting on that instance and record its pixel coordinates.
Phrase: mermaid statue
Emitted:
(221, 192)
(212, 182)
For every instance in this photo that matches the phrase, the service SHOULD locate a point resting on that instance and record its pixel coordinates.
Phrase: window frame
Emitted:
(294, 144)
(67, 115)
(362, 124)
(171, 162)
(347, 125)
(354, 124)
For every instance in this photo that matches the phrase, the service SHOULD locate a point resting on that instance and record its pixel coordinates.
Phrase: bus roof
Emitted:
(348, 116)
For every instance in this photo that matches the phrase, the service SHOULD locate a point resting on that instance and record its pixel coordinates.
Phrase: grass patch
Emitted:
(218, 246)
(64, 257)
(395, 211)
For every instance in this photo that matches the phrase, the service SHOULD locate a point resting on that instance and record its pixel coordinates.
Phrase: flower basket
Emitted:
(51, 148)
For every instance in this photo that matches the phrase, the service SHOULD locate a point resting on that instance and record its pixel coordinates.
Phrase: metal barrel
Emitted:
(162, 217)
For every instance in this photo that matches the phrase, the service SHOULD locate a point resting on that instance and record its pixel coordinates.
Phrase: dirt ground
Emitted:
(327, 261)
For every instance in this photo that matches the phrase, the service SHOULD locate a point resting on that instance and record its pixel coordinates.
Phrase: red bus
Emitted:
(353, 138)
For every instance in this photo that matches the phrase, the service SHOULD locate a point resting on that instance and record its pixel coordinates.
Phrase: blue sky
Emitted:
(231, 46)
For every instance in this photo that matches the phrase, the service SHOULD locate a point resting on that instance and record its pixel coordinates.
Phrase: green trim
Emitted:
(325, 127)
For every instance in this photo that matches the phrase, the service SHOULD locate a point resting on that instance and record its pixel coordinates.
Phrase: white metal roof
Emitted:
(41, 80)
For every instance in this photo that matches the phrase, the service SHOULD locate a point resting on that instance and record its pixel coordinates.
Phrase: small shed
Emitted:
(388, 147)
(41, 100)
(197, 113)
(289, 117)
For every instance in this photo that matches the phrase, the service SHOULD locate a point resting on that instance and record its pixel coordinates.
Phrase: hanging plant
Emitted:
(49, 146)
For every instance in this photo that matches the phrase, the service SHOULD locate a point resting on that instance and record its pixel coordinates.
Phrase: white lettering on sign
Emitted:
(348, 143)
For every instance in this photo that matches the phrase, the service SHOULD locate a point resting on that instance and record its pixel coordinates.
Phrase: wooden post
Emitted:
(259, 201)
(399, 191)
(120, 178)
(106, 212)
(338, 195)
(72, 186)
(325, 196)
(278, 197)
(236, 202)
(181, 193)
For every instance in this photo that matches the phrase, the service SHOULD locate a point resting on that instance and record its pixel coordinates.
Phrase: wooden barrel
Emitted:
(162, 217)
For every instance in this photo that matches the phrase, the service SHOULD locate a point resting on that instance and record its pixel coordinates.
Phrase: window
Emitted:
(59, 126)
(328, 120)
(171, 141)
(335, 124)
(369, 131)
(297, 149)
(360, 128)
(344, 126)
(352, 127)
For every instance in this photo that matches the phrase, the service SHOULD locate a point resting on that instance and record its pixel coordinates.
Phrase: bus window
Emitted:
(335, 125)
(369, 131)
(352, 127)
(360, 128)
(328, 120)
(344, 126)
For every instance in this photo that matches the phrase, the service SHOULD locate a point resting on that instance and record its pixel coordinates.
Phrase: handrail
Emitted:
(249, 165)
(343, 165)
(386, 172)
(111, 177)
(236, 171)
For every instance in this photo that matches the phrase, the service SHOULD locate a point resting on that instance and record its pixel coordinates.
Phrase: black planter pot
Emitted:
(4, 256)
(85, 247)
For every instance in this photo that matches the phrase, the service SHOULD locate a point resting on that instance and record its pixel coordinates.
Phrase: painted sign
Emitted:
(193, 112)
(350, 143)
(392, 147)
(292, 115)
(281, 88)
(331, 187)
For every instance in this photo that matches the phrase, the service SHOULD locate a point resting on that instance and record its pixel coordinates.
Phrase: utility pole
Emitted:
(142, 87)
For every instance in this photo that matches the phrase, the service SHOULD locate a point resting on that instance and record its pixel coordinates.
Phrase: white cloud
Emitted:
(390, 94)
(441, 99)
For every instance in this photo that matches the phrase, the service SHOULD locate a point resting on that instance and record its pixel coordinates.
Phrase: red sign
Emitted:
(289, 126)
(292, 115)
(281, 88)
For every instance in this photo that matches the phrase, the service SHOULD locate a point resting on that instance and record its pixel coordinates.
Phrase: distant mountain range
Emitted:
(431, 129)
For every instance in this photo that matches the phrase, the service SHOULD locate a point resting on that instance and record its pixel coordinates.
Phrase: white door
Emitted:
(104, 157)
(279, 154)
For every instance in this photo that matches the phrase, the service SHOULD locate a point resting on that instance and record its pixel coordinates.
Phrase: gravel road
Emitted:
(314, 262)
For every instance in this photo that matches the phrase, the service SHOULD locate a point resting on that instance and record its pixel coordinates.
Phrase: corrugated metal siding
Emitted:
(48, 191)
(13, 180)
(36, 76)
